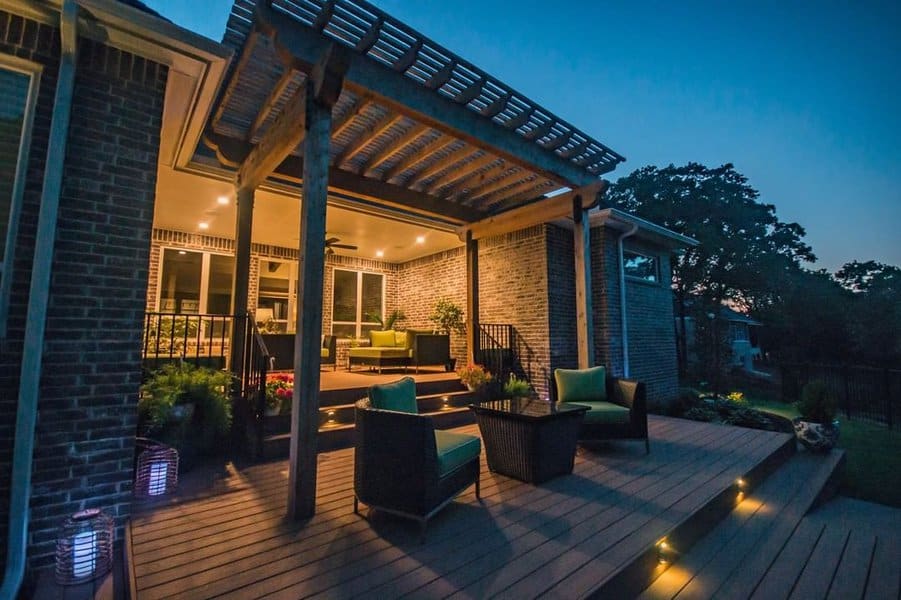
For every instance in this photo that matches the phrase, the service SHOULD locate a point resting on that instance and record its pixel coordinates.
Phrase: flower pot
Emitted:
(450, 365)
(817, 437)
(271, 411)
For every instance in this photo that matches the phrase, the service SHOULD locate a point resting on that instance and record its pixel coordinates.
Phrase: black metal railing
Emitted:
(497, 350)
(202, 339)
(863, 393)
(253, 385)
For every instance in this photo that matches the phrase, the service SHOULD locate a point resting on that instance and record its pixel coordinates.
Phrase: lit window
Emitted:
(640, 266)
(356, 298)
(18, 90)
(196, 282)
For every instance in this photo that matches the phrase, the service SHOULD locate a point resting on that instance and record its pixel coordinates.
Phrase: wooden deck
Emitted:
(570, 537)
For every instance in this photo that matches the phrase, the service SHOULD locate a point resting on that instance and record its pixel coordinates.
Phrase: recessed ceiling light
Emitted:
(379, 253)
(223, 200)
(420, 239)
(203, 225)
(182, 252)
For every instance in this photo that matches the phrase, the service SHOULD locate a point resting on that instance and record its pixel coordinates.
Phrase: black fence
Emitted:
(863, 393)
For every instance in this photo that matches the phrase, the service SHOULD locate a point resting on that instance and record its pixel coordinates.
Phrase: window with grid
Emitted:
(357, 297)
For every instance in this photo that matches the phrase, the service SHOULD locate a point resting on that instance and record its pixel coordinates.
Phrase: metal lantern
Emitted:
(156, 471)
(84, 548)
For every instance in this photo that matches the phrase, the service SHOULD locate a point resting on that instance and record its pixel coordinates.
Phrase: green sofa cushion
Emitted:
(581, 385)
(382, 338)
(606, 413)
(455, 450)
(399, 396)
(379, 352)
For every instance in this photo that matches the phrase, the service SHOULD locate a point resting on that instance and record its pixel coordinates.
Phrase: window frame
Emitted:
(358, 324)
(34, 71)
(205, 259)
(654, 257)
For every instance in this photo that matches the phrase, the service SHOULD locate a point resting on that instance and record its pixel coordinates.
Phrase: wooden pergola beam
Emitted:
(339, 126)
(252, 38)
(390, 149)
(551, 209)
(414, 158)
(270, 102)
(507, 179)
(463, 172)
(465, 181)
(374, 131)
(399, 93)
(507, 192)
(441, 164)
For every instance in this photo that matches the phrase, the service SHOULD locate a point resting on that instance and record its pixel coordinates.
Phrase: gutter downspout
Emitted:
(622, 297)
(38, 297)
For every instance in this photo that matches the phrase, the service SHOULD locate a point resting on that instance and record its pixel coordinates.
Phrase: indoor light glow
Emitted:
(379, 253)
(420, 239)
(223, 200)
(203, 225)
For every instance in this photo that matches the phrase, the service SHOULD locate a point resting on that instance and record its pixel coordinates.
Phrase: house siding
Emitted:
(84, 441)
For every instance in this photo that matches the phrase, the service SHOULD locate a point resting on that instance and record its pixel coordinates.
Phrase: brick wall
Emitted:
(91, 365)
(37, 43)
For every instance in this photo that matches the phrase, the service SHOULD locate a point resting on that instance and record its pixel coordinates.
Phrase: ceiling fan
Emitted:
(332, 243)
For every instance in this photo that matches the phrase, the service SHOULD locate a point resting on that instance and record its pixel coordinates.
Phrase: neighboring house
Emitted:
(138, 177)
(740, 336)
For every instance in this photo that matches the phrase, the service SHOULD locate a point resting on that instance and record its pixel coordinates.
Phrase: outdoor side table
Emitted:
(529, 440)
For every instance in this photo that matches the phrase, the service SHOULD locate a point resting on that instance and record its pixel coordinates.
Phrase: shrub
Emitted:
(164, 413)
(817, 404)
(474, 376)
(516, 387)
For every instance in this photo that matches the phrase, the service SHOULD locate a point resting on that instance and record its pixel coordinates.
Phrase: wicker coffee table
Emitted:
(529, 440)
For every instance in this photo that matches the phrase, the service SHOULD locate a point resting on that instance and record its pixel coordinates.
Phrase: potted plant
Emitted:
(448, 317)
(387, 322)
(816, 426)
(186, 407)
(516, 387)
(474, 376)
(279, 392)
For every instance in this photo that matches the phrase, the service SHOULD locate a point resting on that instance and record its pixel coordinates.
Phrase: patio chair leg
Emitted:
(478, 488)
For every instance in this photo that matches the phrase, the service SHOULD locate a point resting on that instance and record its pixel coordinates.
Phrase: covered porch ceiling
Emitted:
(415, 128)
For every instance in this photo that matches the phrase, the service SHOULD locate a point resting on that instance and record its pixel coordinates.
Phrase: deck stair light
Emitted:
(156, 471)
(84, 547)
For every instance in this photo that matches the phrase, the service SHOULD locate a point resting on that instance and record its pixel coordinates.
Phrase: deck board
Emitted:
(237, 543)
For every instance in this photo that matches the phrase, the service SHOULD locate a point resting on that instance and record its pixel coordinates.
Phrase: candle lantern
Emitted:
(84, 548)
(156, 471)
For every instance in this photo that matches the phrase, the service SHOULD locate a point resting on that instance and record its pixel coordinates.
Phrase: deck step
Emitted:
(351, 394)
(732, 560)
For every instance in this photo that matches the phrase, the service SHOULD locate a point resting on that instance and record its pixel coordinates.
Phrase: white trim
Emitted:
(655, 257)
(34, 72)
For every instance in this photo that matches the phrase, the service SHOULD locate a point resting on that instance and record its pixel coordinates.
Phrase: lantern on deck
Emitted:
(156, 471)
(84, 547)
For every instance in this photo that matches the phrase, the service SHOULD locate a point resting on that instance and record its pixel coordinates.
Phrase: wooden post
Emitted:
(472, 298)
(305, 404)
(582, 257)
(243, 226)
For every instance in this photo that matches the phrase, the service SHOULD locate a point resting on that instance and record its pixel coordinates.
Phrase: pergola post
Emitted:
(305, 404)
(582, 258)
(472, 298)
(244, 198)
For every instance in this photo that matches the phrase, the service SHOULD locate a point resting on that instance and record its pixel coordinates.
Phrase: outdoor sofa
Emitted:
(617, 407)
(413, 347)
(402, 464)
(281, 350)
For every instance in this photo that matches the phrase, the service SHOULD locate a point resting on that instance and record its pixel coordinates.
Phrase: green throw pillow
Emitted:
(382, 338)
(400, 339)
(581, 385)
(399, 396)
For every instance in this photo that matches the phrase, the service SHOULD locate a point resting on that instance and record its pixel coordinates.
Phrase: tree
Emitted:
(745, 252)
(874, 311)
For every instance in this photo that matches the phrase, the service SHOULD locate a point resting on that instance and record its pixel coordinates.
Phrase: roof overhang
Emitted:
(197, 65)
(623, 221)
(414, 124)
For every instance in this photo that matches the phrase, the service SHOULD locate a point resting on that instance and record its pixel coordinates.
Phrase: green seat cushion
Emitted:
(323, 353)
(400, 339)
(455, 450)
(382, 339)
(606, 413)
(581, 385)
(379, 352)
(399, 396)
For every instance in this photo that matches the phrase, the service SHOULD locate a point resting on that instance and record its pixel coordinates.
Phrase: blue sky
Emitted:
(802, 97)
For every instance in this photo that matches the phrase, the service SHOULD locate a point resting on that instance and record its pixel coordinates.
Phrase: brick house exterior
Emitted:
(105, 274)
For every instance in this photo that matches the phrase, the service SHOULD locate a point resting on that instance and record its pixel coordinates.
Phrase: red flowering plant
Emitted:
(279, 391)
(473, 376)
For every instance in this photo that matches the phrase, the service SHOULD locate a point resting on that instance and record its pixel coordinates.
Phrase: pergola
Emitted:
(337, 95)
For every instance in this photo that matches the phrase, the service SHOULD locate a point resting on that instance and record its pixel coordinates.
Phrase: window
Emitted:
(640, 266)
(18, 90)
(276, 297)
(356, 297)
(192, 283)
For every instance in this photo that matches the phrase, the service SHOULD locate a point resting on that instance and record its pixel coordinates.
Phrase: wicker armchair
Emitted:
(398, 464)
(605, 420)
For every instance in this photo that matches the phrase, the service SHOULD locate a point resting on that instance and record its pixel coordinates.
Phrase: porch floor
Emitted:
(565, 538)
(362, 377)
